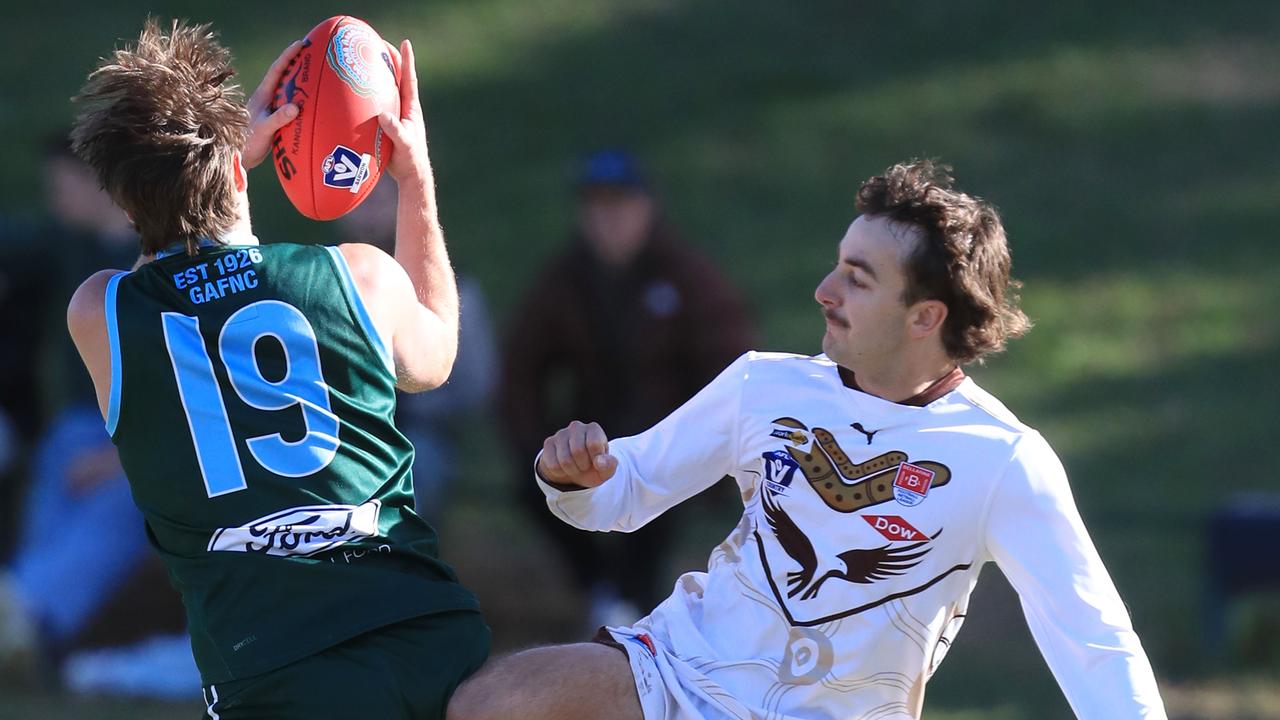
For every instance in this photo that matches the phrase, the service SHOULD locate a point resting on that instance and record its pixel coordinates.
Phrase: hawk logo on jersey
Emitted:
(860, 566)
(801, 575)
(846, 486)
(300, 530)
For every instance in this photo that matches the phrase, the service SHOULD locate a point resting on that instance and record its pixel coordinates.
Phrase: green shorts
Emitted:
(403, 671)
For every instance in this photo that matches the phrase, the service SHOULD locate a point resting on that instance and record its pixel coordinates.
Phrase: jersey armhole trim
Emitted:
(362, 313)
(113, 343)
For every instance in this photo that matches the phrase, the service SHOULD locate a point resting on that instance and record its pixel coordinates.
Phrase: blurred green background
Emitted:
(1125, 143)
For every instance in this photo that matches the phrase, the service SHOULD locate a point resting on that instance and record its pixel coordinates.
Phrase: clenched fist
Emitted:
(577, 455)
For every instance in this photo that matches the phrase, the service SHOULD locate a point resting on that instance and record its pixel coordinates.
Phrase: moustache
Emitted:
(834, 320)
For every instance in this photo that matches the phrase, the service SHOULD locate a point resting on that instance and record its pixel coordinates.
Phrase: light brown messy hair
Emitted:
(160, 128)
(961, 257)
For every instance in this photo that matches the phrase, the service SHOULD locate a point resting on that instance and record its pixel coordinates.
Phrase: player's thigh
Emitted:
(556, 682)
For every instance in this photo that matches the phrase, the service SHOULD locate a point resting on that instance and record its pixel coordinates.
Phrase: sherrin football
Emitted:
(332, 154)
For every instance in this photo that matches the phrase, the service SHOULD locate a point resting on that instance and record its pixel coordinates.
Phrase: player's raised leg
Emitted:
(586, 681)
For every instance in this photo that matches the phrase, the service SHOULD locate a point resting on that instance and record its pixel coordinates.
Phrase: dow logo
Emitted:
(894, 528)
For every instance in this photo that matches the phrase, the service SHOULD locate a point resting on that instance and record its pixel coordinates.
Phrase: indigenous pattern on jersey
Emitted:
(252, 404)
(866, 523)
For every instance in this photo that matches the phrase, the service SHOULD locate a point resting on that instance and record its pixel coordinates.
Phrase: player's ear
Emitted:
(241, 176)
(926, 317)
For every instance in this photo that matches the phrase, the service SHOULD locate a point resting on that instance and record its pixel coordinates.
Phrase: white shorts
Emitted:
(642, 654)
(668, 688)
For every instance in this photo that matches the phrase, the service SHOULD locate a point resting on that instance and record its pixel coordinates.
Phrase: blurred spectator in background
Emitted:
(87, 232)
(20, 411)
(621, 328)
(8, 443)
(24, 293)
(41, 263)
(433, 420)
(80, 573)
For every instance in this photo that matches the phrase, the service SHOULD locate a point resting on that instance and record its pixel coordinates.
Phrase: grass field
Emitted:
(1125, 143)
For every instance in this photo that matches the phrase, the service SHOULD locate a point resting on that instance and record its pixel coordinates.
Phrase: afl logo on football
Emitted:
(354, 53)
(345, 169)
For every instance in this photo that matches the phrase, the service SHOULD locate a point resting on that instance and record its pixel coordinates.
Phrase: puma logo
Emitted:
(869, 433)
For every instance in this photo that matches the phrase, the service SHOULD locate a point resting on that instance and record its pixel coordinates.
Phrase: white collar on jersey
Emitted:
(235, 237)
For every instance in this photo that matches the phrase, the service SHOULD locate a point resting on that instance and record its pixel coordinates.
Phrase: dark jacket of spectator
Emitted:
(622, 347)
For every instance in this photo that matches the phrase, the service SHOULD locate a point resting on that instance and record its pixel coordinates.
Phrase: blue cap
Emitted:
(611, 167)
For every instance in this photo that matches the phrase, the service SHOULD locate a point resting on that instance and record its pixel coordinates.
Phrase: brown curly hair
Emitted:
(962, 257)
(160, 128)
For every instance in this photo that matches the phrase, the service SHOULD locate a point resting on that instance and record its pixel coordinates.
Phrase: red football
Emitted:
(332, 154)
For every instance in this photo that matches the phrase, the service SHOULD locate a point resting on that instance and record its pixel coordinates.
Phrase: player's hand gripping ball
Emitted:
(331, 156)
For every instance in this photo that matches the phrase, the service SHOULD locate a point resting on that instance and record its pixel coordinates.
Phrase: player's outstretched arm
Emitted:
(1083, 630)
(415, 298)
(594, 483)
(577, 455)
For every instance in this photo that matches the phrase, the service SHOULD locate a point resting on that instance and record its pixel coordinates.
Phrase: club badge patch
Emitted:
(345, 169)
(911, 484)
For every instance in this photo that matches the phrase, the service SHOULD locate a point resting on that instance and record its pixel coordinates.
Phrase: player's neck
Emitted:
(240, 230)
(906, 382)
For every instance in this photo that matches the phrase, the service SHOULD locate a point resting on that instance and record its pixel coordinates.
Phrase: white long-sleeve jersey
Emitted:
(846, 580)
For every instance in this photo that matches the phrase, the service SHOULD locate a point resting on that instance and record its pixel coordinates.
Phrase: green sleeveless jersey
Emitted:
(251, 402)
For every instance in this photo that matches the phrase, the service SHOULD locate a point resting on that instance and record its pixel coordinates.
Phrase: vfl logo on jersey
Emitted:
(300, 531)
(345, 169)
(779, 468)
(912, 484)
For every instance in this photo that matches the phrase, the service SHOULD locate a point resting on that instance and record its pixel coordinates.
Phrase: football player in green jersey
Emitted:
(250, 390)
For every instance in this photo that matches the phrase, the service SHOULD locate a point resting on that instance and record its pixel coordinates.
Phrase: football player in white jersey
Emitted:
(876, 480)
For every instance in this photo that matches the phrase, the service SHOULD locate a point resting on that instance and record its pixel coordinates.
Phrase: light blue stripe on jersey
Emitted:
(113, 342)
(344, 272)
(181, 247)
